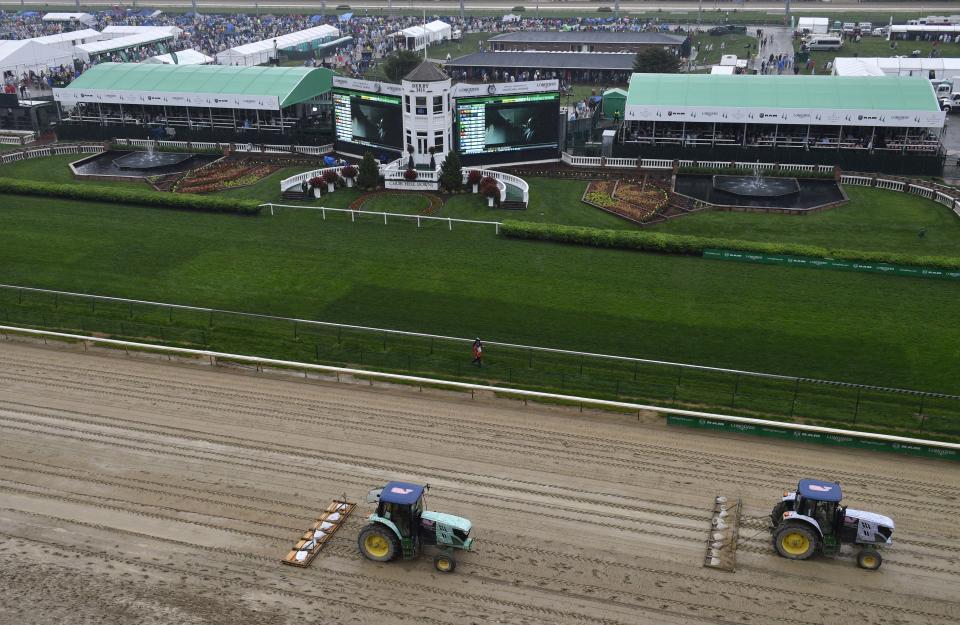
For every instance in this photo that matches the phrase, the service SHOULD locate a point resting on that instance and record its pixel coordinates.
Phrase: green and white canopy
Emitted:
(801, 100)
(217, 86)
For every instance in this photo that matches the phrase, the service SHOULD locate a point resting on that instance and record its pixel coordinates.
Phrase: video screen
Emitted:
(508, 123)
(368, 118)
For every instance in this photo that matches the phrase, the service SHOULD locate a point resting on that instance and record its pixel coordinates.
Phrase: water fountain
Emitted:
(151, 159)
(756, 185)
(759, 191)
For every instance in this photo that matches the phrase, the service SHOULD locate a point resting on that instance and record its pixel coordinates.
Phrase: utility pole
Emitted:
(194, 3)
(699, 13)
(786, 14)
(463, 15)
(616, 8)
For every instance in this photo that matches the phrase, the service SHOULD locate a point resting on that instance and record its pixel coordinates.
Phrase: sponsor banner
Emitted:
(814, 117)
(367, 85)
(814, 437)
(826, 263)
(161, 98)
(463, 90)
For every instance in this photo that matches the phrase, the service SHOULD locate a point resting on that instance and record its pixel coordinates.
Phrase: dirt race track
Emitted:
(138, 492)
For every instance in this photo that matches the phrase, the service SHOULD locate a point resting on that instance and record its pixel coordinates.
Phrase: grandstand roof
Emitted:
(547, 60)
(819, 100)
(590, 36)
(137, 82)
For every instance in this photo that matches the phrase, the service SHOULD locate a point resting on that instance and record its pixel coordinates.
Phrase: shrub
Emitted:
(474, 177)
(451, 172)
(331, 177)
(369, 174)
(343, 7)
(604, 10)
(349, 172)
(692, 245)
(518, 9)
(129, 196)
(489, 188)
(410, 174)
(316, 181)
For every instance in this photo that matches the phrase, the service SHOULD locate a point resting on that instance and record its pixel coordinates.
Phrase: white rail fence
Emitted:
(394, 171)
(386, 216)
(666, 163)
(53, 150)
(17, 138)
(260, 363)
(313, 150)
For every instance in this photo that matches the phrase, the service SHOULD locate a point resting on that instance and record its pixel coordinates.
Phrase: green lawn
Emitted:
(873, 220)
(732, 44)
(855, 327)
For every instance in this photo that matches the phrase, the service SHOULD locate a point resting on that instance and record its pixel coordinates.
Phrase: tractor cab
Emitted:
(811, 520)
(402, 525)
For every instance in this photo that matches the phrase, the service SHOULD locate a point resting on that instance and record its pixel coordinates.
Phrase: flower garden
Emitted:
(224, 174)
(638, 202)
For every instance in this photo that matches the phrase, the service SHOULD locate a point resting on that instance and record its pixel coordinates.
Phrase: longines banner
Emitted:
(70, 97)
(814, 117)
(462, 90)
(367, 85)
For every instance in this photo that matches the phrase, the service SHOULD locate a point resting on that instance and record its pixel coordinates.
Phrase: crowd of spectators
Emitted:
(372, 35)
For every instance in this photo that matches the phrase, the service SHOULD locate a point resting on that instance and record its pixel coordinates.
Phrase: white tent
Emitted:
(815, 25)
(723, 69)
(67, 41)
(88, 50)
(260, 52)
(439, 31)
(25, 55)
(115, 32)
(942, 68)
(182, 57)
(83, 18)
(419, 37)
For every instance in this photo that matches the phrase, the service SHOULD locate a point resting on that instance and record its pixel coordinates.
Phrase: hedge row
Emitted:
(694, 246)
(182, 201)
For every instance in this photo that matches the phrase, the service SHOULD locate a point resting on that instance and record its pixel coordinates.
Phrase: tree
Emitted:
(400, 63)
(652, 60)
(451, 173)
(369, 175)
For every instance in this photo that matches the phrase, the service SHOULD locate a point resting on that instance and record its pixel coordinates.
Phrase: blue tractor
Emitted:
(402, 526)
(811, 520)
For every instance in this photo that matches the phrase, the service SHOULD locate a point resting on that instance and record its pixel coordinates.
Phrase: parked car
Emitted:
(727, 29)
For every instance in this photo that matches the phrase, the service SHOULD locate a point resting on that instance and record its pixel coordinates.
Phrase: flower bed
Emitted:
(626, 199)
(224, 175)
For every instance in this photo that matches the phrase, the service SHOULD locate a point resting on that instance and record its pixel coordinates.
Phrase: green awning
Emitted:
(287, 85)
(785, 99)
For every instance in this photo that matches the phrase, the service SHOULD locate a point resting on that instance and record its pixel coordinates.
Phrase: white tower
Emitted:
(427, 114)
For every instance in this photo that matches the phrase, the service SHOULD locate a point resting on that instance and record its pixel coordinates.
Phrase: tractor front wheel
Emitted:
(444, 563)
(796, 541)
(869, 559)
(377, 543)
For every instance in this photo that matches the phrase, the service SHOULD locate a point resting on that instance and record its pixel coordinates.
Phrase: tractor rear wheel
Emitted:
(795, 541)
(869, 559)
(777, 515)
(444, 562)
(378, 543)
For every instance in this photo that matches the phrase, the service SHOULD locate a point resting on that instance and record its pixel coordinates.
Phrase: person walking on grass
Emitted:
(478, 353)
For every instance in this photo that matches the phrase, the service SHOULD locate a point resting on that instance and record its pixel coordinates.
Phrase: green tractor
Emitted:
(811, 520)
(402, 526)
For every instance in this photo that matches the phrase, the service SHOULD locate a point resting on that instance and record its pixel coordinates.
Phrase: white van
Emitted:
(849, 27)
(823, 42)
